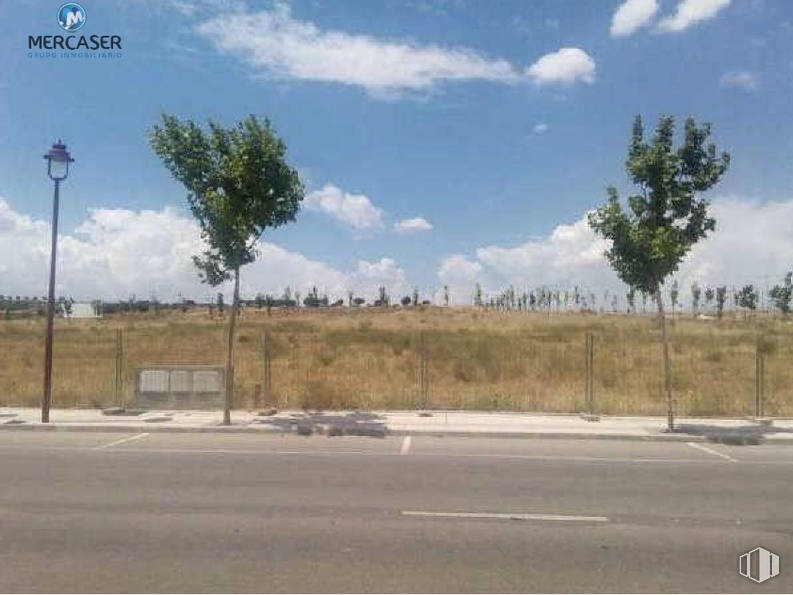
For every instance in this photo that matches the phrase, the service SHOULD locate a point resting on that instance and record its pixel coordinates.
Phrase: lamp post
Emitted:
(58, 160)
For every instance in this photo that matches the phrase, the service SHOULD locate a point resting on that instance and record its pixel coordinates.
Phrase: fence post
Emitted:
(266, 369)
(759, 377)
(119, 370)
(423, 371)
(589, 356)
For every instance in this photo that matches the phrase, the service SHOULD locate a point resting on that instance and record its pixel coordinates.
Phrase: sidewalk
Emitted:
(402, 423)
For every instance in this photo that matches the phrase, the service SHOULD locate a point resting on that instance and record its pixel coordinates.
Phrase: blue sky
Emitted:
(443, 110)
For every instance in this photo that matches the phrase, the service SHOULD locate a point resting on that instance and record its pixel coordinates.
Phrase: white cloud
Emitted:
(355, 210)
(116, 253)
(563, 67)
(369, 276)
(691, 12)
(753, 243)
(459, 267)
(631, 16)
(540, 128)
(742, 79)
(412, 225)
(281, 46)
(459, 273)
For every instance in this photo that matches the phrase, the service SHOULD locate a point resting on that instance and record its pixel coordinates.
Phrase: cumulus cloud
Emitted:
(276, 43)
(459, 273)
(354, 210)
(116, 253)
(741, 79)
(383, 272)
(540, 128)
(753, 243)
(459, 267)
(691, 12)
(631, 16)
(412, 225)
(563, 67)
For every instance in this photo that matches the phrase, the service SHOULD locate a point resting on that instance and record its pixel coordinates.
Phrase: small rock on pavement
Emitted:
(304, 430)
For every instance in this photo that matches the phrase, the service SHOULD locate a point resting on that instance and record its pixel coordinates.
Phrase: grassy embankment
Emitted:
(370, 359)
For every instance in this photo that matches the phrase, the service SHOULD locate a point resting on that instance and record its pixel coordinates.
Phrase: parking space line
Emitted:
(122, 441)
(513, 516)
(405, 446)
(712, 451)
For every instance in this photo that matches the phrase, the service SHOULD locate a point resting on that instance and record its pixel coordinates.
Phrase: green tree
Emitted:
(781, 294)
(383, 298)
(631, 300)
(674, 294)
(696, 294)
(747, 297)
(721, 299)
(239, 185)
(709, 296)
(665, 218)
(478, 296)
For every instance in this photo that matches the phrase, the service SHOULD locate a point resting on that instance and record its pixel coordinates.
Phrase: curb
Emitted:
(321, 431)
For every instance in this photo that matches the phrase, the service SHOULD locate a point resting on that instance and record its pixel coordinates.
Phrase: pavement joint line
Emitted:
(519, 516)
(712, 451)
(405, 446)
(121, 441)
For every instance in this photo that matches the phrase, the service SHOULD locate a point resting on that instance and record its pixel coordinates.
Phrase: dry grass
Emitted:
(369, 359)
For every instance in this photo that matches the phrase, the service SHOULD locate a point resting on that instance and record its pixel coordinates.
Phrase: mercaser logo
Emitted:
(759, 565)
(71, 16)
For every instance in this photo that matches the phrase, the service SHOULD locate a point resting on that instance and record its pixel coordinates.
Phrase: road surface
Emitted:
(211, 512)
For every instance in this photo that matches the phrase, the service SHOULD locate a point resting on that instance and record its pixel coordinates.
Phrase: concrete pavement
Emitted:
(108, 511)
(397, 423)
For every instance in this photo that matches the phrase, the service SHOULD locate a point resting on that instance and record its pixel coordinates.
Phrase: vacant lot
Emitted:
(371, 359)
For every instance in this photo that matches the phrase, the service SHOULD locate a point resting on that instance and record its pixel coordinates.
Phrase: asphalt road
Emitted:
(206, 512)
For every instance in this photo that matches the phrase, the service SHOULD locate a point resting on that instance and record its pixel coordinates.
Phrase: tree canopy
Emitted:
(666, 217)
(238, 184)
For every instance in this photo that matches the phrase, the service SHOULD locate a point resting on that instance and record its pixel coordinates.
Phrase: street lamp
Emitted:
(58, 160)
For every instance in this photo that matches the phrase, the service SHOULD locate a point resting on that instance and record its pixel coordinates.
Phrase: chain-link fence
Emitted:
(728, 368)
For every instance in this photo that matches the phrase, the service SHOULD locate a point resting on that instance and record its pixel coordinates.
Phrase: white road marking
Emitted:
(405, 446)
(122, 441)
(711, 451)
(514, 516)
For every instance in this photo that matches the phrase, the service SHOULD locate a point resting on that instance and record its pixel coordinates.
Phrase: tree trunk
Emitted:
(670, 412)
(230, 353)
